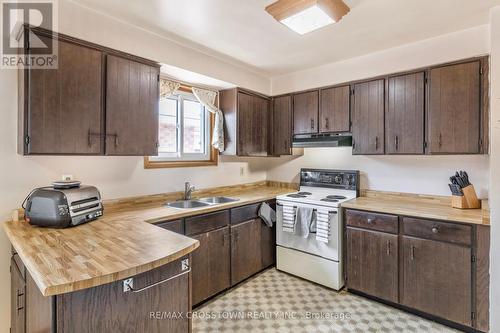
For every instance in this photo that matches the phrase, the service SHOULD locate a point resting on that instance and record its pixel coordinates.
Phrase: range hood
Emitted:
(322, 140)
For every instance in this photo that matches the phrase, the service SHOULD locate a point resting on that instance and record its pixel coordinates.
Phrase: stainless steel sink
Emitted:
(185, 204)
(218, 200)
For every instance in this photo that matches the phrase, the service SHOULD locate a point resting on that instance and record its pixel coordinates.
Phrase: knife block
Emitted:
(468, 201)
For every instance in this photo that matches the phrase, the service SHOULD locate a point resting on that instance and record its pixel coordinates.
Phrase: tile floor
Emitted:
(277, 302)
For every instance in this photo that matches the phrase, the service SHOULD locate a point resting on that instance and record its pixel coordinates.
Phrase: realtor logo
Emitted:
(32, 47)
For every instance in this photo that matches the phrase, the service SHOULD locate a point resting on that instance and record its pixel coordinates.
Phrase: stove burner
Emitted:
(329, 200)
(296, 196)
(304, 193)
(335, 197)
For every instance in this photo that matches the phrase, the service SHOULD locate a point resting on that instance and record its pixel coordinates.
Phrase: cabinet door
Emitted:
(210, 264)
(368, 118)
(107, 308)
(132, 102)
(253, 113)
(246, 250)
(454, 109)
(65, 104)
(17, 300)
(404, 119)
(437, 279)
(334, 113)
(282, 125)
(305, 112)
(372, 263)
(268, 244)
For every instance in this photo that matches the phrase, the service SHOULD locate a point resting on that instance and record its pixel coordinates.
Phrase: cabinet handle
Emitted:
(312, 123)
(327, 123)
(440, 140)
(388, 247)
(397, 142)
(19, 295)
(370, 220)
(91, 135)
(128, 284)
(376, 143)
(353, 144)
(412, 253)
(435, 230)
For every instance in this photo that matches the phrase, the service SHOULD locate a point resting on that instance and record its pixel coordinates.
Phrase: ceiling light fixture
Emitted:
(303, 16)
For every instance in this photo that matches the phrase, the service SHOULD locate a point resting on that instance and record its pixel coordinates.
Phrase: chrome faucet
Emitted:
(188, 190)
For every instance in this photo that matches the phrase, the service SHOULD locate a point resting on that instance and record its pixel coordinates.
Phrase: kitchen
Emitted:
(120, 177)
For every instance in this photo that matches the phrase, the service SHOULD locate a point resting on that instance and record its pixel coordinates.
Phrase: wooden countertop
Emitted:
(431, 207)
(116, 246)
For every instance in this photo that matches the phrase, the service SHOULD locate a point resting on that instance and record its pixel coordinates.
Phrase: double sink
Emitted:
(196, 203)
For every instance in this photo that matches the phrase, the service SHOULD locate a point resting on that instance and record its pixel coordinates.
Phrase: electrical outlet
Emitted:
(67, 177)
(242, 171)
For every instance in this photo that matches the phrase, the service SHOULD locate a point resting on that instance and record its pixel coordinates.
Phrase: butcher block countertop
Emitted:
(429, 207)
(122, 243)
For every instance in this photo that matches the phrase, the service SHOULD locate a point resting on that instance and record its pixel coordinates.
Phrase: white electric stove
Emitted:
(310, 258)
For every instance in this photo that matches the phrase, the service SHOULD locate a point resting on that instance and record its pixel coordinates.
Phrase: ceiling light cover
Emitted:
(308, 20)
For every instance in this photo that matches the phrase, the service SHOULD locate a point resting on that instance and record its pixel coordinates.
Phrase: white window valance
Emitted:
(168, 88)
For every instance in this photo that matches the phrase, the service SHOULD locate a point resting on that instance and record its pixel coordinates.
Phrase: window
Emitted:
(184, 133)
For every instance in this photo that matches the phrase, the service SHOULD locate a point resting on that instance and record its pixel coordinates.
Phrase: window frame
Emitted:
(210, 158)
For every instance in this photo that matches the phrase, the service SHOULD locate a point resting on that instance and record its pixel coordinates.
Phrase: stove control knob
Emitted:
(338, 179)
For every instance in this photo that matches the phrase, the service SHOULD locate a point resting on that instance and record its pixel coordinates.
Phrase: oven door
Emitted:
(330, 250)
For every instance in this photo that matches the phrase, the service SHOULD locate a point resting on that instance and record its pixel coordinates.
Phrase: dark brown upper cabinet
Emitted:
(282, 125)
(334, 111)
(98, 101)
(454, 113)
(404, 118)
(368, 117)
(246, 119)
(62, 106)
(305, 112)
(132, 102)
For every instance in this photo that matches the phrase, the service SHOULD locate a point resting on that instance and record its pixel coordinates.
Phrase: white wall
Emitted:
(422, 174)
(495, 172)
(445, 48)
(82, 22)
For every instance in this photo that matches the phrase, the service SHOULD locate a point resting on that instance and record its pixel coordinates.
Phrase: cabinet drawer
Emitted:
(204, 223)
(373, 221)
(245, 213)
(440, 231)
(175, 226)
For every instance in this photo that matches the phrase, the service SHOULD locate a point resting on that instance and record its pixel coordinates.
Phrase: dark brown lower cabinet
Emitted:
(268, 245)
(441, 269)
(17, 299)
(107, 308)
(253, 248)
(210, 264)
(246, 250)
(372, 266)
(437, 279)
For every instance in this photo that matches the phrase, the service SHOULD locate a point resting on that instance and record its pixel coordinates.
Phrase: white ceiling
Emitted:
(242, 32)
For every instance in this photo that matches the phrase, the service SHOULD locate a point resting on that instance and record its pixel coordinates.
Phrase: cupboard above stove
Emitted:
(440, 109)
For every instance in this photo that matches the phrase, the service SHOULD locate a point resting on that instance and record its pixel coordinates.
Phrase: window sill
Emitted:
(148, 164)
